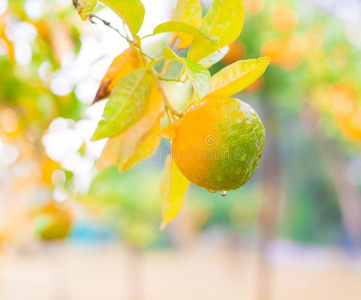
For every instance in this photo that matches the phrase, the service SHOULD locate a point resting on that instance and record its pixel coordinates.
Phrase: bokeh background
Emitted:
(293, 232)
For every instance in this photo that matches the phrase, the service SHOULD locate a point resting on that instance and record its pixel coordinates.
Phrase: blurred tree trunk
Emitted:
(271, 198)
(350, 202)
(348, 196)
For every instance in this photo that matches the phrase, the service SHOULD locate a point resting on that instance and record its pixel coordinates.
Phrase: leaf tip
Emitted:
(96, 99)
(95, 137)
(267, 59)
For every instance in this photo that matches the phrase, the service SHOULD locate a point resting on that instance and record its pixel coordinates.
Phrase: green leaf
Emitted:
(140, 145)
(199, 75)
(122, 65)
(181, 27)
(190, 12)
(177, 26)
(85, 7)
(139, 141)
(131, 11)
(213, 58)
(126, 104)
(173, 187)
(237, 76)
(224, 22)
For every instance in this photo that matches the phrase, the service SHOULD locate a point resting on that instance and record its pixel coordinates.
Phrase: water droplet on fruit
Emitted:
(212, 191)
(223, 193)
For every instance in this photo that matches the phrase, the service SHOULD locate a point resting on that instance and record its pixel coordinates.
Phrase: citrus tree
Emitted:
(217, 140)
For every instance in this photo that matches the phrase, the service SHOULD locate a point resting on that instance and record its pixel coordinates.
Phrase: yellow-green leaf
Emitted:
(199, 75)
(122, 65)
(140, 145)
(213, 58)
(131, 11)
(138, 142)
(224, 22)
(85, 7)
(126, 104)
(237, 76)
(173, 187)
(190, 12)
(181, 27)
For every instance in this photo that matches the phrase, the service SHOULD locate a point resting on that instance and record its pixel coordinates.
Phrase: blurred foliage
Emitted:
(32, 53)
(134, 210)
(313, 64)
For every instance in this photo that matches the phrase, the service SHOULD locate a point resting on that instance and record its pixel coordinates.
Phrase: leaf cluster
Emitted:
(136, 98)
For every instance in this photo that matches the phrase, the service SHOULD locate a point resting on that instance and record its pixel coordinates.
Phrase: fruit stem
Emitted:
(185, 108)
(168, 62)
(169, 116)
(167, 103)
(181, 74)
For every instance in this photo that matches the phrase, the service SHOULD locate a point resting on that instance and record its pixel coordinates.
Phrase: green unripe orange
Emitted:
(53, 222)
(218, 143)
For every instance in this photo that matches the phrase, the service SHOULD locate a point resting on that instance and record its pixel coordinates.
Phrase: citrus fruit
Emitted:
(253, 6)
(286, 52)
(218, 143)
(53, 222)
(235, 52)
(285, 19)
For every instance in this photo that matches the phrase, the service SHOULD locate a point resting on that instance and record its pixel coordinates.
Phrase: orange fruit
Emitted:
(352, 127)
(53, 222)
(253, 6)
(286, 53)
(235, 53)
(218, 143)
(343, 101)
(285, 19)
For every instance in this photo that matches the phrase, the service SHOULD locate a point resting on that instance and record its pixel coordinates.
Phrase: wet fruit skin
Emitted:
(218, 143)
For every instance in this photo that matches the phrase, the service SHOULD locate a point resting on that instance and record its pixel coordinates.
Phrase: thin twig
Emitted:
(166, 66)
(125, 30)
(168, 62)
(167, 103)
(185, 108)
(169, 116)
(179, 78)
(169, 106)
(106, 23)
